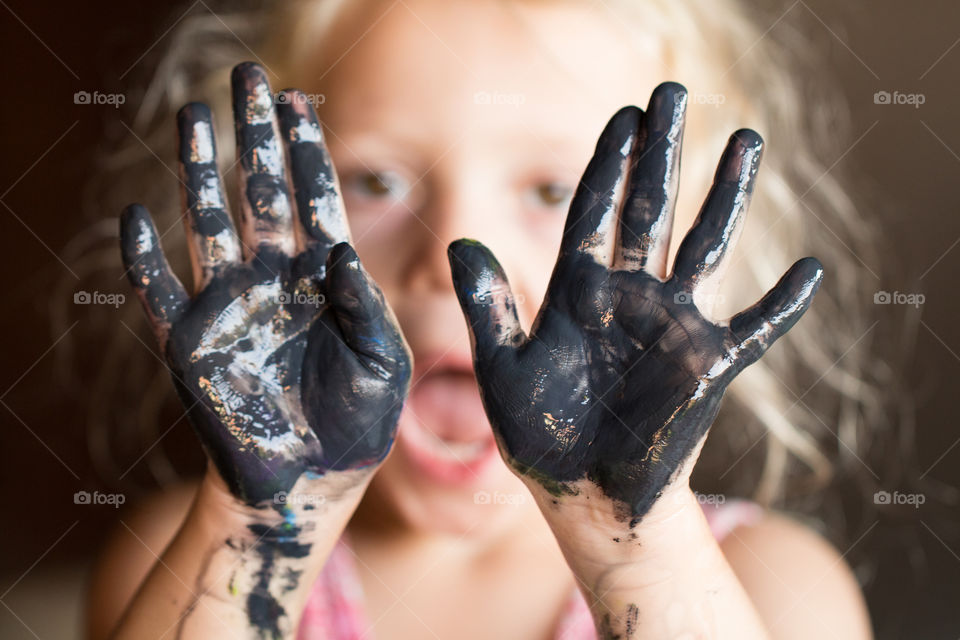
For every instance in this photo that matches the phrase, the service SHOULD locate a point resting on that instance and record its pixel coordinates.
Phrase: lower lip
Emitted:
(444, 470)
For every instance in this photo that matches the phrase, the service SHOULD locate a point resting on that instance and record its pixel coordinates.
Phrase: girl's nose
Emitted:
(451, 213)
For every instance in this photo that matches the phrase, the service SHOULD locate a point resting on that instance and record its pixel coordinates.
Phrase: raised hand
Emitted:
(622, 375)
(287, 357)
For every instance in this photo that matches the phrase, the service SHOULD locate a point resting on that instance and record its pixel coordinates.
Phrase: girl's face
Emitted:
(463, 119)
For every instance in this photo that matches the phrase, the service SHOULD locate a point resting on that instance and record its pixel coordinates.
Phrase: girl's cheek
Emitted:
(544, 232)
(375, 257)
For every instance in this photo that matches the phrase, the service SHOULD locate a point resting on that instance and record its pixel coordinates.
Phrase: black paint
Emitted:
(266, 210)
(314, 178)
(607, 629)
(213, 239)
(289, 362)
(161, 293)
(273, 543)
(622, 375)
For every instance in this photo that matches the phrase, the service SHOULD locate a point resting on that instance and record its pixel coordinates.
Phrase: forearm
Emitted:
(665, 578)
(235, 571)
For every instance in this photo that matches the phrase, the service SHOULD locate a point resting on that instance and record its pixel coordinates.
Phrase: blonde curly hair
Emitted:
(788, 421)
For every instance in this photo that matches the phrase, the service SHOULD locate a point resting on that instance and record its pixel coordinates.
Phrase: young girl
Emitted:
(572, 517)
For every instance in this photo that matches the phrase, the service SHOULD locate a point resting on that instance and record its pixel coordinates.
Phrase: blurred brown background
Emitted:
(908, 159)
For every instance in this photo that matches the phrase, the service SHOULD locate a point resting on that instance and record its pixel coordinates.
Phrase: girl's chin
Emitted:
(418, 502)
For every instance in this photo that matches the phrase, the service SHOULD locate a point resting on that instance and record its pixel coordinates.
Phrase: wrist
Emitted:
(308, 509)
(672, 568)
(259, 562)
(599, 544)
(301, 525)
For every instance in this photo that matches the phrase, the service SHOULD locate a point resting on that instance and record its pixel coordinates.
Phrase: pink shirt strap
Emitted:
(334, 609)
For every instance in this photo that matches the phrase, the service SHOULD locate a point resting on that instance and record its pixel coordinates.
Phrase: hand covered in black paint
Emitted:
(622, 375)
(288, 358)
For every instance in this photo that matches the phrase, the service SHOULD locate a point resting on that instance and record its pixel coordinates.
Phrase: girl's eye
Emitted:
(379, 185)
(552, 194)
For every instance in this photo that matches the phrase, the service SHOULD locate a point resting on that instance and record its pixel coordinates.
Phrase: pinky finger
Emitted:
(158, 288)
(756, 328)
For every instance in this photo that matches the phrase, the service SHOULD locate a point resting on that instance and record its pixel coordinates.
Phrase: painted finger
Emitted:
(159, 290)
(316, 190)
(759, 326)
(485, 298)
(647, 217)
(266, 212)
(365, 319)
(596, 202)
(704, 250)
(211, 236)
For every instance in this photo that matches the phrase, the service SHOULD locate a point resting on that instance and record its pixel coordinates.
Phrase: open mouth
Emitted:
(444, 432)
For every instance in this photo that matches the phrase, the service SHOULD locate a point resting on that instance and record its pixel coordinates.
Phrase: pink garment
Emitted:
(335, 611)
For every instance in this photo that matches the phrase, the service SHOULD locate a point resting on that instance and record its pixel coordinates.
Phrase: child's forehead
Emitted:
(542, 66)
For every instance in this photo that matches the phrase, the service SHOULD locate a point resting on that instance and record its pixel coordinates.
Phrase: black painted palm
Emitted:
(289, 361)
(622, 376)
